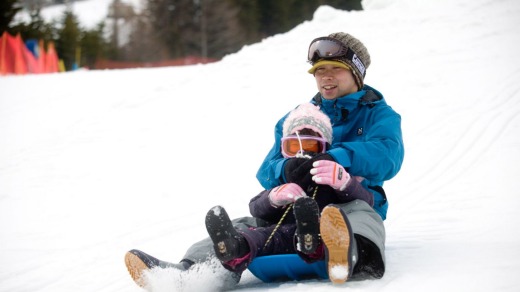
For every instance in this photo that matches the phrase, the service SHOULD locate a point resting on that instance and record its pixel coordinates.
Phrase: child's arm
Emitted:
(270, 204)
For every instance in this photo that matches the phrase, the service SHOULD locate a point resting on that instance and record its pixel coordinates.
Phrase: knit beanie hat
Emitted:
(357, 61)
(308, 116)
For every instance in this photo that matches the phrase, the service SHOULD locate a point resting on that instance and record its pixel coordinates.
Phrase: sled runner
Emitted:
(286, 266)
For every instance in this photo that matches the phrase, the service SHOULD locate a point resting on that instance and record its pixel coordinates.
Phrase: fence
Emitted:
(108, 64)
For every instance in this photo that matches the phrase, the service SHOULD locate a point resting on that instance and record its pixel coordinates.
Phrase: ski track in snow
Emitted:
(95, 163)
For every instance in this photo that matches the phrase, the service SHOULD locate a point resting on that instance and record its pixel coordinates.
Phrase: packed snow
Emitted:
(95, 163)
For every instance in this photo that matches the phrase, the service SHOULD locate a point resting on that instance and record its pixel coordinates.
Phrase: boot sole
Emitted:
(336, 235)
(307, 214)
(135, 267)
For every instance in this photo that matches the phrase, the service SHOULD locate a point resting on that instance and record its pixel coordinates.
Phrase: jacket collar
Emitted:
(366, 96)
(339, 108)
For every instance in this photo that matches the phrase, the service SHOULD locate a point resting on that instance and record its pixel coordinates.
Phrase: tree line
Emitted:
(165, 29)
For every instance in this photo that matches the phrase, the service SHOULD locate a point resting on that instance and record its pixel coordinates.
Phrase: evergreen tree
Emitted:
(172, 23)
(143, 44)
(68, 39)
(35, 29)
(249, 15)
(282, 16)
(8, 9)
(344, 4)
(221, 32)
(93, 46)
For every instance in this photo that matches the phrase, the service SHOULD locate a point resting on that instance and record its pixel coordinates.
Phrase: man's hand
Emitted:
(330, 173)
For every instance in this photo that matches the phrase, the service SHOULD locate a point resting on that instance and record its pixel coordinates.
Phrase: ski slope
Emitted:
(95, 163)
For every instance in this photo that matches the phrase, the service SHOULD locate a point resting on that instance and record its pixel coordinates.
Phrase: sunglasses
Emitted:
(296, 145)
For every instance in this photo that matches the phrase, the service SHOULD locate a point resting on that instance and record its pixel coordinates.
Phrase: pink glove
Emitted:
(330, 173)
(286, 194)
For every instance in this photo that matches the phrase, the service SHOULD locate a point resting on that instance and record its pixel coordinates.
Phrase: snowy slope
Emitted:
(95, 163)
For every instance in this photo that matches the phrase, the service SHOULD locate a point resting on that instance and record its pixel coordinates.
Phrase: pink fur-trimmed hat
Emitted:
(308, 116)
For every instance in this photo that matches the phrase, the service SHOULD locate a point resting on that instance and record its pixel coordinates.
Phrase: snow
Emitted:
(95, 163)
(173, 280)
(338, 272)
(216, 211)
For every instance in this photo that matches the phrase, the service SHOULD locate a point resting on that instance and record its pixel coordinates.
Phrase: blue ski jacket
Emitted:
(367, 141)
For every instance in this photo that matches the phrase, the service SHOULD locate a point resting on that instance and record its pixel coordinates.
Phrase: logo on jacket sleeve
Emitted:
(360, 131)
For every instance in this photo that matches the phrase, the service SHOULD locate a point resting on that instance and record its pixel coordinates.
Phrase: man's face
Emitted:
(334, 81)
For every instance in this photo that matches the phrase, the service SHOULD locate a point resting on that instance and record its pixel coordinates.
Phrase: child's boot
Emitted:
(227, 242)
(307, 215)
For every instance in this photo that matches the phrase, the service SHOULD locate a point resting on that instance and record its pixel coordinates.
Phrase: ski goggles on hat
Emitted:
(326, 48)
(297, 145)
(329, 48)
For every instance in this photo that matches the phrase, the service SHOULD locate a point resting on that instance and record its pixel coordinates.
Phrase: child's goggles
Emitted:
(326, 48)
(296, 145)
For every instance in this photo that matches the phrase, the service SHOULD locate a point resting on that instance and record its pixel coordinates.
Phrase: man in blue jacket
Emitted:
(367, 142)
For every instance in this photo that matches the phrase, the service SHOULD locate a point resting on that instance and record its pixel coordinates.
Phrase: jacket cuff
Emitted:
(341, 156)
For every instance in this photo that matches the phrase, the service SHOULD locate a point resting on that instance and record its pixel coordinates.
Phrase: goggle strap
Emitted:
(300, 142)
(356, 61)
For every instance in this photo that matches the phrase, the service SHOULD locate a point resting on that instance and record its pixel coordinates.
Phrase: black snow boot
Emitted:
(137, 262)
(227, 242)
(307, 215)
